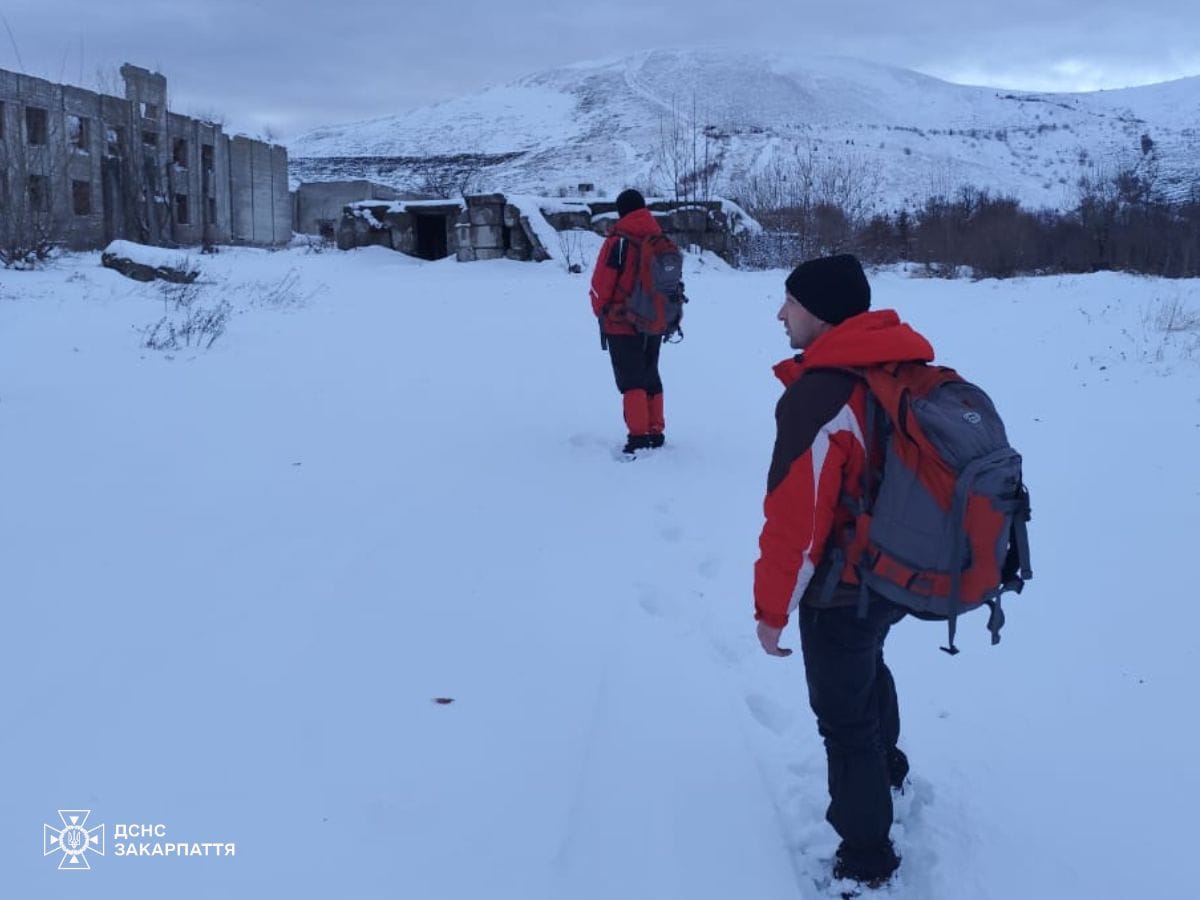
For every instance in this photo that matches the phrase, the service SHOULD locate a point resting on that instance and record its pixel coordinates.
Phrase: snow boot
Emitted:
(637, 442)
(871, 867)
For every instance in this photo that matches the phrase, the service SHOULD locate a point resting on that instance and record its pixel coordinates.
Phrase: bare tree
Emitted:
(684, 153)
(108, 80)
(436, 177)
(30, 224)
(570, 245)
(672, 150)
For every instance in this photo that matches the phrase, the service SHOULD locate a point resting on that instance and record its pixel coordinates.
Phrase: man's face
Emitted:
(802, 327)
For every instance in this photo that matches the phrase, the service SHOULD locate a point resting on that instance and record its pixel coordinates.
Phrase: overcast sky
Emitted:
(291, 66)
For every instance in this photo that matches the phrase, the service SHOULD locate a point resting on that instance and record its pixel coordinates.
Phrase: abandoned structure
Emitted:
(83, 169)
(493, 226)
(484, 226)
(319, 204)
(90, 168)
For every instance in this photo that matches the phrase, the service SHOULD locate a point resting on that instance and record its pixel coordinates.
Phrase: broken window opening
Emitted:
(149, 110)
(39, 193)
(81, 198)
(181, 209)
(35, 125)
(78, 133)
(179, 153)
(114, 137)
(206, 157)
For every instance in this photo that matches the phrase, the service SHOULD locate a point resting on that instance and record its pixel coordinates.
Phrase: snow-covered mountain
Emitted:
(905, 134)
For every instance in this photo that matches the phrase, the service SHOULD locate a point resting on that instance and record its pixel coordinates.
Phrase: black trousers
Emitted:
(635, 362)
(853, 695)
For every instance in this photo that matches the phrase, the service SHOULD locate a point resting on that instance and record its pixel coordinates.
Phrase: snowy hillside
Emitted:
(603, 123)
(236, 582)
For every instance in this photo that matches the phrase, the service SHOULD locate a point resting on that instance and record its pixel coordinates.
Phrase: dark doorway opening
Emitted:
(432, 237)
(112, 198)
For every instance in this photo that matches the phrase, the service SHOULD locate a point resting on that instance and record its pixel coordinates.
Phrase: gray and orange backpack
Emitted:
(941, 524)
(655, 302)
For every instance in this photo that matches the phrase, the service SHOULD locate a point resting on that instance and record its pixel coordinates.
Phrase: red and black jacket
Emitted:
(819, 454)
(616, 270)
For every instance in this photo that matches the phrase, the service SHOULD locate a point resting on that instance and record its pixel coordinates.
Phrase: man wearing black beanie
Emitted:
(815, 468)
(629, 200)
(832, 288)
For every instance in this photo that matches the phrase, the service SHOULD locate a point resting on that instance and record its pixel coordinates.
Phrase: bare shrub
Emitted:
(179, 296)
(1175, 317)
(570, 245)
(31, 228)
(199, 328)
(285, 293)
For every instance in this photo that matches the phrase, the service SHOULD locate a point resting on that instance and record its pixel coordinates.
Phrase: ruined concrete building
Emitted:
(95, 168)
(494, 226)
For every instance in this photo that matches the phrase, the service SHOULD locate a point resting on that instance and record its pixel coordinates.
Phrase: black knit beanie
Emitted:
(832, 288)
(629, 200)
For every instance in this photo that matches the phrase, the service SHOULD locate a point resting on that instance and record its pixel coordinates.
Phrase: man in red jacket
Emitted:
(634, 356)
(816, 468)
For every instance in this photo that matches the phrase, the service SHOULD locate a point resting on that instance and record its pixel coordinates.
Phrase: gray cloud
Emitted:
(295, 65)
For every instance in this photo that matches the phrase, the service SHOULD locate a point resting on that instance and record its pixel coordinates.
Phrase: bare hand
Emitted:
(769, 638)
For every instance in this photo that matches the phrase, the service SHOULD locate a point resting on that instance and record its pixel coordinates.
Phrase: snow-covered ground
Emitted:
(236, 580)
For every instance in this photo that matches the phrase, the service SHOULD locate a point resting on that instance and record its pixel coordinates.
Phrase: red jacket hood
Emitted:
(868, 339)
(637, 224)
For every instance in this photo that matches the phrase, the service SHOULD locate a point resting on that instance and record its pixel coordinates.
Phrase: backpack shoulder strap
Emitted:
(627, 240)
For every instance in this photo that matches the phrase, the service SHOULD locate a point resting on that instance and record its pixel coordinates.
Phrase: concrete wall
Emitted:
(697, 223)
(261, 210)
(120, 176)
(262, 186)
(212, 161)
(111, 168)
(146, 93)
(321, 203)
(281, 197)
(11, 177)
(182, 181)
(223, 188)
(241, 192)
(82, 166)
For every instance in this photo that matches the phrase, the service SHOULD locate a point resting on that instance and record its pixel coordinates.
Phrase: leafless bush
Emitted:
(803, 180)
(282, 294)
(1175, 317)
(446, 177)
(820, 204)
(1170, 331)
(30, 226)
(199, 328)
(570, 245)
(179, 296)
(315, 244)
